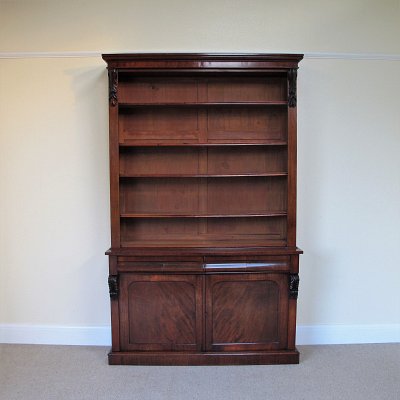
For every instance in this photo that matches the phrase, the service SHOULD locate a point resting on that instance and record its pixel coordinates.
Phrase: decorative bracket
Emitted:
(112, 87)
(113, 286)
(294, 286)
(292, 79)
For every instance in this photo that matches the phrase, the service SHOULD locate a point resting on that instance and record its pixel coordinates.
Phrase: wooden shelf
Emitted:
(176, 143)
(193, 244)
(272, 174)
(206, 104)
(127, 73)
(179, 215)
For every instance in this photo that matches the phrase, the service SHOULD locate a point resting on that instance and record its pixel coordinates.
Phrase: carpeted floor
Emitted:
(336, 372)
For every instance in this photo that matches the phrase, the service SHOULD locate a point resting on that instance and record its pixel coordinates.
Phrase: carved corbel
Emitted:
(112, 87)
(113, 286)
(294, 286)
(292, 81)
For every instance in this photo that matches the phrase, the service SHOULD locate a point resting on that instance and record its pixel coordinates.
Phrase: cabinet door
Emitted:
(246, 312)
(160, 312)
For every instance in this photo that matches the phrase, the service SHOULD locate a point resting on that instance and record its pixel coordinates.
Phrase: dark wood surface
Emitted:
(204, 358)
(246, 311)
(161, 312)
(203, 208)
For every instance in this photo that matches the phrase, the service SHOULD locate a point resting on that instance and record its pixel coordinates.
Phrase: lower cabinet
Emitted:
(221, 312)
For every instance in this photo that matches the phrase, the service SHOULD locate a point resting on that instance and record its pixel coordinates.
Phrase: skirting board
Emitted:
(101, 335)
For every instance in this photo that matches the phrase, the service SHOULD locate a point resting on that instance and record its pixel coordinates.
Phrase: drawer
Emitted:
(247, 264)
(160, 267)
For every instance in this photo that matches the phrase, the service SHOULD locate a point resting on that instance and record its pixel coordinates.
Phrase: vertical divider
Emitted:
(114, 160)
(291, 192)
(203, 154)
(204, 305)
(203, 182)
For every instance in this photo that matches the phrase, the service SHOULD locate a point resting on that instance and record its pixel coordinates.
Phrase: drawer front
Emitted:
(246, 264)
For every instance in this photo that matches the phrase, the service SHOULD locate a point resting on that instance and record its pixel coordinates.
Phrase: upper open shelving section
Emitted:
(202, 149)
(200, 109)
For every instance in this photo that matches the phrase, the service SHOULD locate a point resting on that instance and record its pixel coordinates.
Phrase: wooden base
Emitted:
(185, 358)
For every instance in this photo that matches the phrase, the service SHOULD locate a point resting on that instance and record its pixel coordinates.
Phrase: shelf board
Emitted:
(207, 104)
(271, 174)
(181, 215)
(232, 246)
(126, 73)
(240, 247)
(156, 143)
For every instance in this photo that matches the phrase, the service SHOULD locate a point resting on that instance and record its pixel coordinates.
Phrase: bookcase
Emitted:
(203, 258)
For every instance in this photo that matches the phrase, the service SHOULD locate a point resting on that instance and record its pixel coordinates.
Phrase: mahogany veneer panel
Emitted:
(158, 90)
(160, 161)
(167, 89)
(160, 196)
(244, 160)
(268, 228)
(211, 124)
(250, 123)
(150, 123)
(246, 311)
(161, 312)
(153, 229)
(176, 161)
(246, 195)
(186, 196)
(201, 232)
(250, 89)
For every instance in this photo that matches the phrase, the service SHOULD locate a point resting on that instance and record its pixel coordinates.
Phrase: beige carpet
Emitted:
(348, 372)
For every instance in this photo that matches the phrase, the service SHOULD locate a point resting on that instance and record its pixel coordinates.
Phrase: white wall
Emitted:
(54, 213)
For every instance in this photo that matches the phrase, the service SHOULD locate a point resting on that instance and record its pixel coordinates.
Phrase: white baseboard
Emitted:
(62, 335)
(101, 335)
(347, 334)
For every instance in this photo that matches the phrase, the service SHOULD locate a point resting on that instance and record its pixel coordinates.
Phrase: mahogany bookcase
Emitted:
(203, 258)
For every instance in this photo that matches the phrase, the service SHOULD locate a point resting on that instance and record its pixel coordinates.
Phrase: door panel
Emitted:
(246, 312)
(161, 312)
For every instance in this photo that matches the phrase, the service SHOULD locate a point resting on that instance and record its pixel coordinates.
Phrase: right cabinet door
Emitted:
(246, 311)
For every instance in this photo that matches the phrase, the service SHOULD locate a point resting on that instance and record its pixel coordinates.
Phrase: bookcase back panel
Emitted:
(149, 90)
(234, 123)
(169, 89)
(246, 195)
(216, 196)
(247, 123)
(247, 160)
(159, 123)
(159, 161)
(202, 231)
(151, 229)
(154, 196)
(246, 89)
(230, 160)
(267, 227)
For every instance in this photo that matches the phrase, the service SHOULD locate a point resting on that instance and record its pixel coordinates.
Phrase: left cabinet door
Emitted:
(160, 312)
